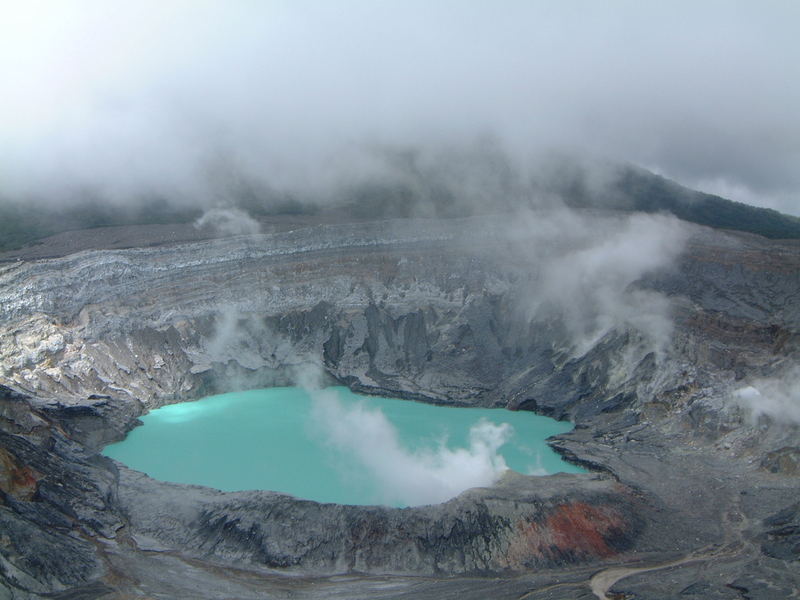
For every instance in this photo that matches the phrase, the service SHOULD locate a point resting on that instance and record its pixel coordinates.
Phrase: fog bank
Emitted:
(154, 98)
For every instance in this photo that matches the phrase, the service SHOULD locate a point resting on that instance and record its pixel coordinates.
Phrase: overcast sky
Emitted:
(140, 95)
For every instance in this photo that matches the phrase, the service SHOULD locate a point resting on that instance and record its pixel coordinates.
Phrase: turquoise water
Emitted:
(336, 446)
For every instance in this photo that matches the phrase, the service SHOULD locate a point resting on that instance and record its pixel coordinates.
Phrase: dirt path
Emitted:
(734, 544)
(602, 581)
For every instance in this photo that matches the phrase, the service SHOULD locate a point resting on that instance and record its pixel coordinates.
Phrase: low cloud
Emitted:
(144, 99)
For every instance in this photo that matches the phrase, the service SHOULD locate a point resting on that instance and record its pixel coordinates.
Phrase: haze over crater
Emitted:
(131, 100)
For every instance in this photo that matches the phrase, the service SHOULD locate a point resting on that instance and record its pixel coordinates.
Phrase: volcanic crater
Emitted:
(682, 479)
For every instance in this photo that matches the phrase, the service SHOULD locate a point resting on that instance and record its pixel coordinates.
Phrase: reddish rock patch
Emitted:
(582, 528)
(571, 532)
(17, 480)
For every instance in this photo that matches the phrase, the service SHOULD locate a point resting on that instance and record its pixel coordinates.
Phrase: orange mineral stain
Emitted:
(571, 531)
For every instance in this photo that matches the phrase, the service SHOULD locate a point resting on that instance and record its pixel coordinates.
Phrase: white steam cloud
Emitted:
(227, 221)
(405, 476)
(587, 268)
(777, 398)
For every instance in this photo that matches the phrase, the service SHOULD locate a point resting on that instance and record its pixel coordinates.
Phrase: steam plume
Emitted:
(588, 268)
(777, 398)
(404, 476)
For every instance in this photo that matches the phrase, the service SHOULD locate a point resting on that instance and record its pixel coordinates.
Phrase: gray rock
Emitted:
(431, 310)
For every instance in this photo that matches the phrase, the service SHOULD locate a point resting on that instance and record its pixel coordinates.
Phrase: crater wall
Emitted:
(443, 311)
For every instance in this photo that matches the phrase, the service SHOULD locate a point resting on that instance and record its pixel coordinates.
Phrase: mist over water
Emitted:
(365, 440)
(331, 445)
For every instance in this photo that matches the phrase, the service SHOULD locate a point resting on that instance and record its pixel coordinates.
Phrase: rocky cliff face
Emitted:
(438, 310)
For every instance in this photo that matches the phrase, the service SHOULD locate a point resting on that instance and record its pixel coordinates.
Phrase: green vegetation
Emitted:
(650, 193)
(629, 188)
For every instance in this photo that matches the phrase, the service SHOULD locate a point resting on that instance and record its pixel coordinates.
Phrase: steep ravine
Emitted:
(428, 310)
